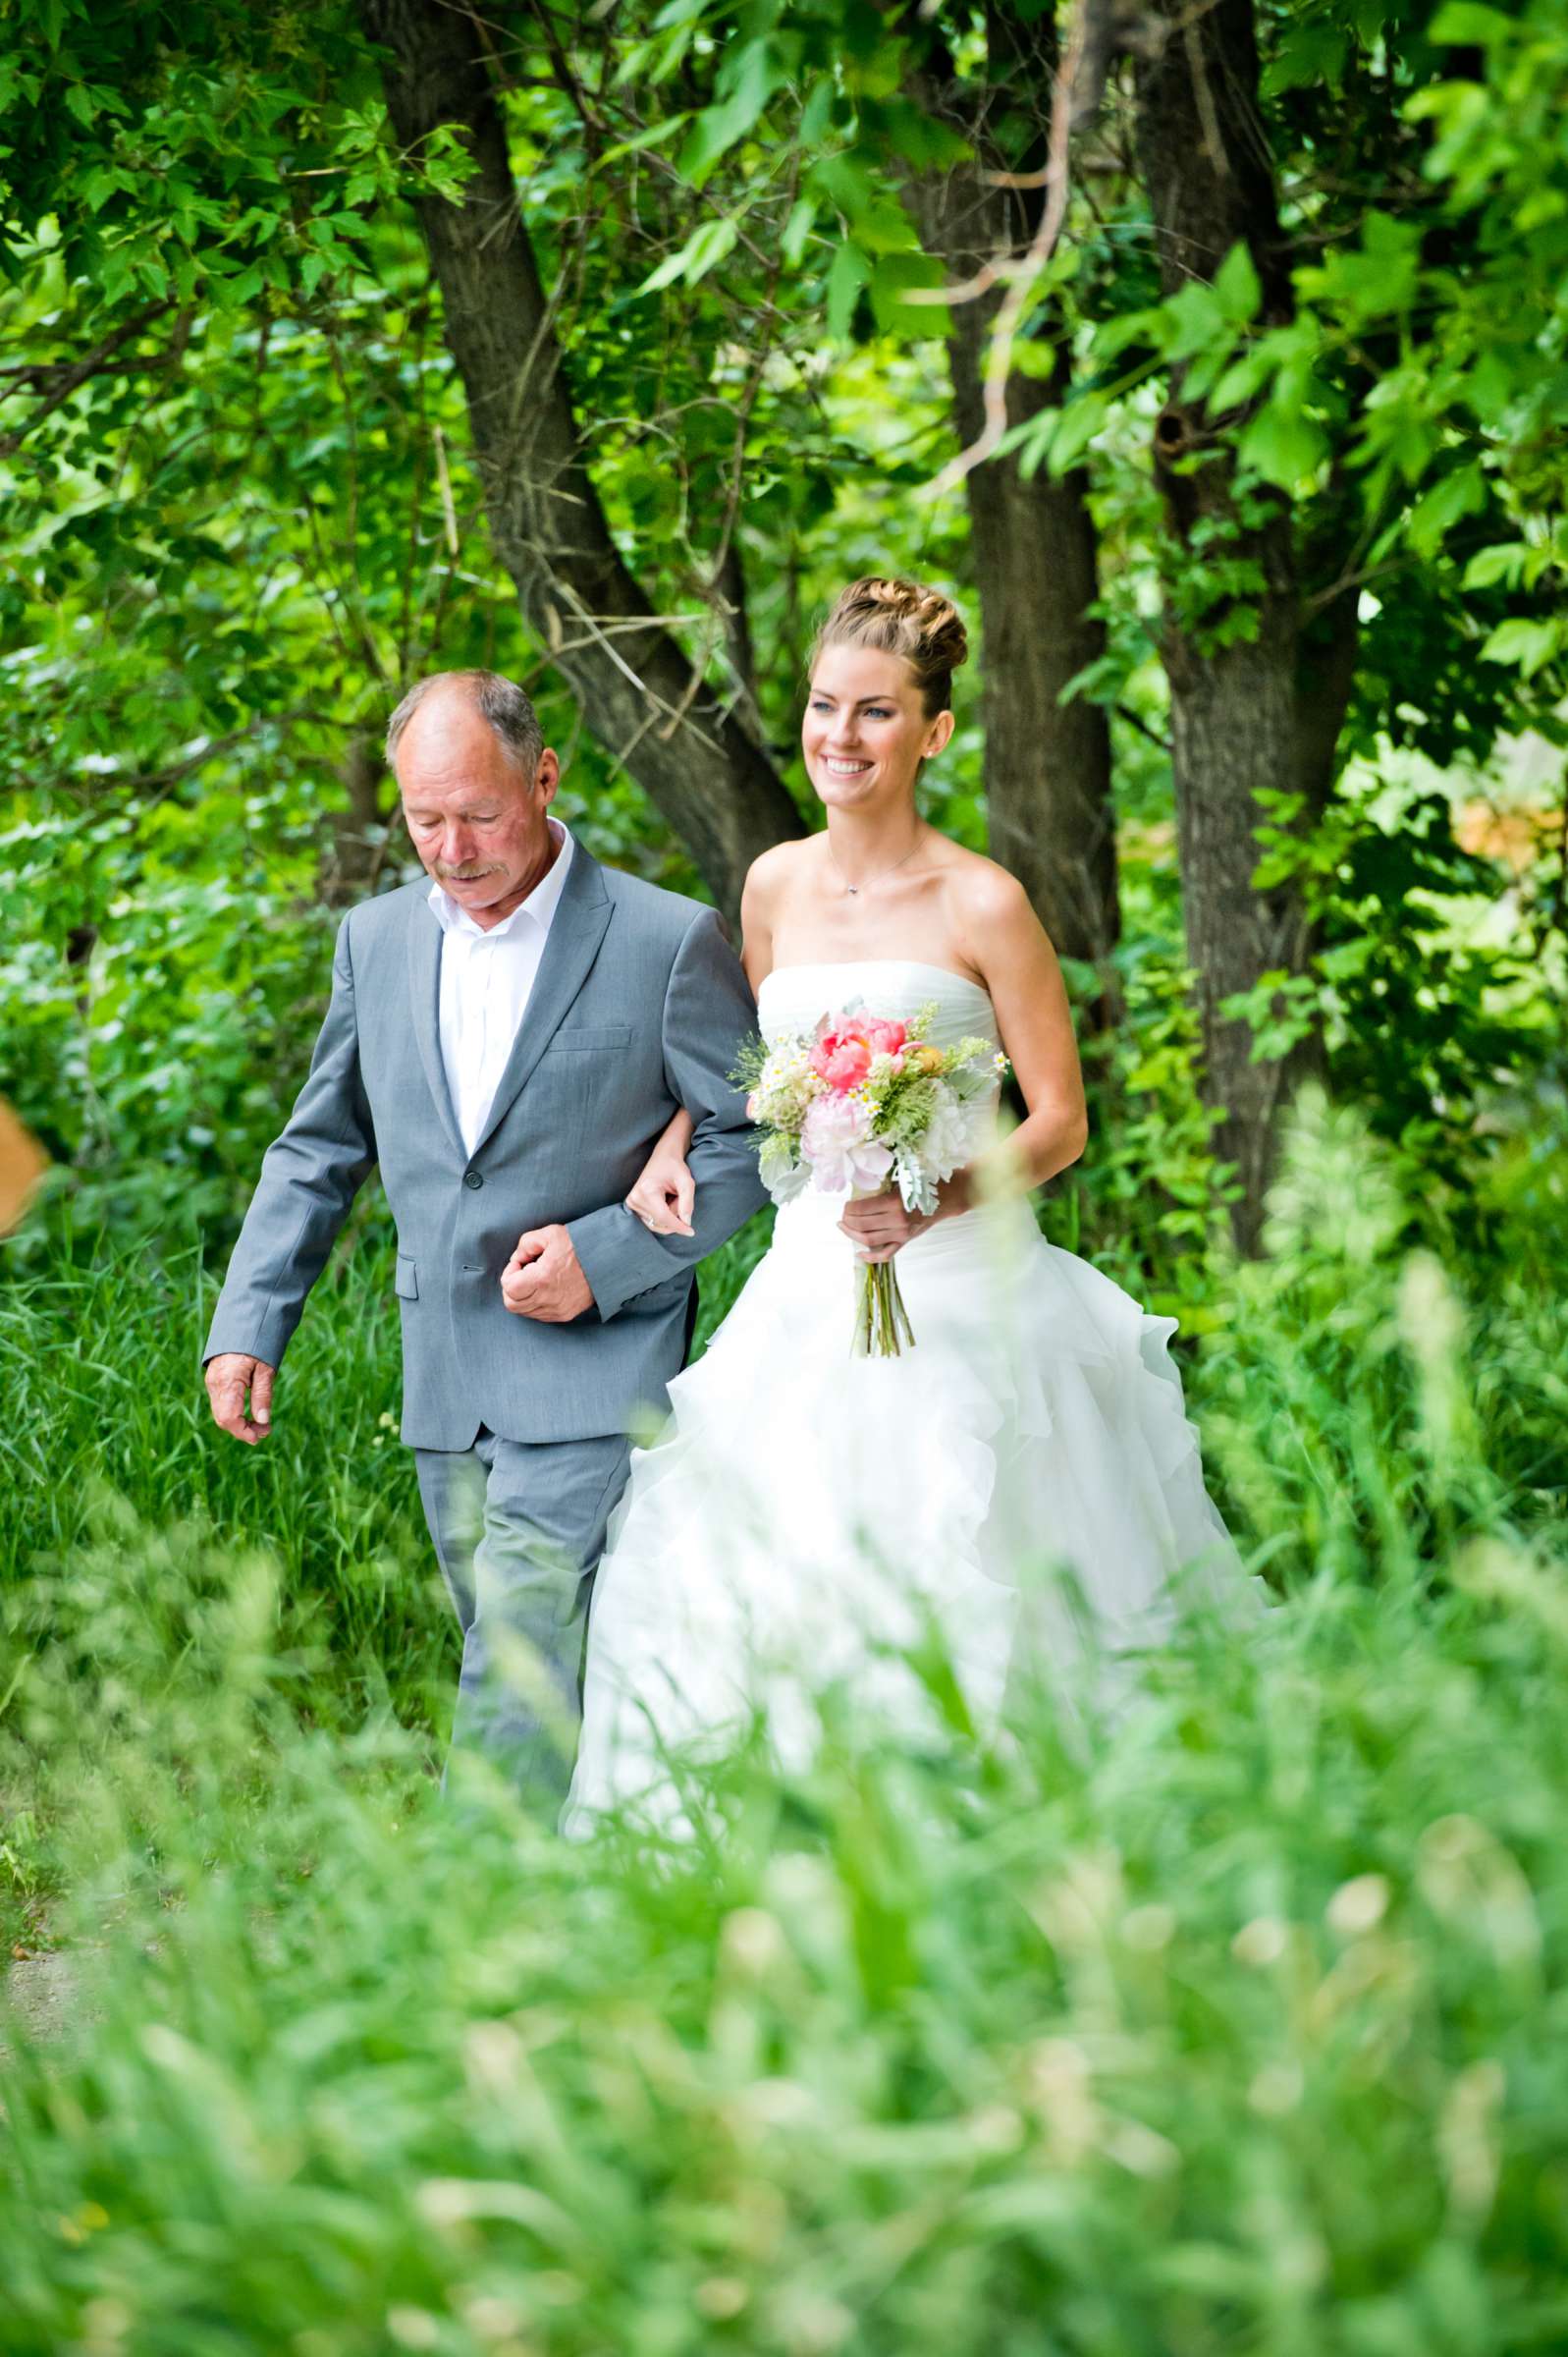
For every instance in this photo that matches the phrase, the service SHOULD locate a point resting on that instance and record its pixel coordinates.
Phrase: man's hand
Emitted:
(544, 1278)
(228, 1378)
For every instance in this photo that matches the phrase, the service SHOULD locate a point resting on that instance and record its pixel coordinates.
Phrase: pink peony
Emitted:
(844, 1064)
(847, 1044)
(886, 1037)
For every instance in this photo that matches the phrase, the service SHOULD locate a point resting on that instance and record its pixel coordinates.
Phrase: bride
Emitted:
(1021, 1487)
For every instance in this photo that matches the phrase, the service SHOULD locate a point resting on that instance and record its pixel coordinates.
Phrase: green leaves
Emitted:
(1528, 645)
(1519, 564)
(1462, 492)
(1461, 25)
(703, 251)
(751, 72)
(1236, 289)
(259, 507)
(1077, 426)
(850, 271)
(167, 166)
(810, 96)
(1283, 444)
(1369, 282)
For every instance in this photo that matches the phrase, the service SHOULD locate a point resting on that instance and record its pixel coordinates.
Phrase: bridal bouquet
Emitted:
(862, 1103)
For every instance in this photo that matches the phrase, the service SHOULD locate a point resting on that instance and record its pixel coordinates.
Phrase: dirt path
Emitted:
(41, 1994)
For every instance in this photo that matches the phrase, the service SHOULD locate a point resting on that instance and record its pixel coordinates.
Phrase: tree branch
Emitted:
(715, 786)
(66, 378)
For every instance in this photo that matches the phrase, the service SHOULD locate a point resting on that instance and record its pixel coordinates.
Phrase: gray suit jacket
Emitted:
(640, 1005)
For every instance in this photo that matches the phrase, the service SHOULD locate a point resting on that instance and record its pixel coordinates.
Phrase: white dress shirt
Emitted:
(486, 981)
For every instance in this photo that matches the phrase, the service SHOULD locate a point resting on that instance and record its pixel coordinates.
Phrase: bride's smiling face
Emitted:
(865, 731)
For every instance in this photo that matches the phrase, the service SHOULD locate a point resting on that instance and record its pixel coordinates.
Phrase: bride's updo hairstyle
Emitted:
(902, 618)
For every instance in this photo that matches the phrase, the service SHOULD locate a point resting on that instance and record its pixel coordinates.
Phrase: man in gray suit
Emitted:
(507, 1042)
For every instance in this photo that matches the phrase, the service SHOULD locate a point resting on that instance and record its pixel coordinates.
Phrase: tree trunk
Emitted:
(1032, 540)
(1237, 707)
(639, 695)
(730, 589)
(358, 830)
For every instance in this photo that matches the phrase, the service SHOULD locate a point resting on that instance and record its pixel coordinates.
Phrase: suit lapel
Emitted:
(424, 989)
(578, 928)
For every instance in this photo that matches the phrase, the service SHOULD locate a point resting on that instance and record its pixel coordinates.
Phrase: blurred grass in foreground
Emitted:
(1239, 2030)
(1235, 2025)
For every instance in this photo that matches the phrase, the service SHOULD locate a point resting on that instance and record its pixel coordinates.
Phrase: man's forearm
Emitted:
(708, 1012)
(622, 1259)
(310, 1176)
(289, 1230)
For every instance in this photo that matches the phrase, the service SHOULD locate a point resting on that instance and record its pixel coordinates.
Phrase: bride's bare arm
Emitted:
(757, 898)
(666, 1191)
(1003, 939)
(1008, 947)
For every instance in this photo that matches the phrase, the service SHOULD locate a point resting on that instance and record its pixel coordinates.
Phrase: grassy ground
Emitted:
(1233, 2026)
(100, 1363)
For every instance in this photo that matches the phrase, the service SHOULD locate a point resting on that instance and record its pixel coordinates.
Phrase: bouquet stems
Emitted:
(881, 1322)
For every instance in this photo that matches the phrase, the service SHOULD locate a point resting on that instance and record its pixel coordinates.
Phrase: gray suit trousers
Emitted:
(518, 1527)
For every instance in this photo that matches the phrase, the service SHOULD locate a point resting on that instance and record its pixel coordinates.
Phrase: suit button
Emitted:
(472, 1179)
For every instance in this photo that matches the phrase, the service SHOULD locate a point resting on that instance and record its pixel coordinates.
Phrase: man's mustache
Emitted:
(462, 875)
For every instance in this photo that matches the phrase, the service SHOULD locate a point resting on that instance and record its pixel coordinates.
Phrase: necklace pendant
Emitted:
(853, 890)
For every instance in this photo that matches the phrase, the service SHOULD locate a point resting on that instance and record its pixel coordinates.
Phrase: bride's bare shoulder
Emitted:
(772, 873)
(994, 919)
(982, 893)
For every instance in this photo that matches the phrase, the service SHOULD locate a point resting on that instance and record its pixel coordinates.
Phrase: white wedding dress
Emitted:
(810, 1519)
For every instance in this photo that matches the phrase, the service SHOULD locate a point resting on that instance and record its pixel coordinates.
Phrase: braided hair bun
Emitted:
(902, 618)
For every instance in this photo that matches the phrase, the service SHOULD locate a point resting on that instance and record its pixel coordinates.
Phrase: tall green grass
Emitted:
(1236, 2026)
(101, 1396)
(100, 1368)
(103, 1417)
(1231, 2023)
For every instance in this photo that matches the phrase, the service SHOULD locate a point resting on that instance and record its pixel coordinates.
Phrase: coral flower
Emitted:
(847, 1044)
(886, 1037)
(844, 1064)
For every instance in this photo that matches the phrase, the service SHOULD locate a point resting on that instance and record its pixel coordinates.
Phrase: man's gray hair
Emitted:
(498, 700)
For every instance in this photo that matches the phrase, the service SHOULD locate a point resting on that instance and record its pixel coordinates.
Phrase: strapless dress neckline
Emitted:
(856, 966)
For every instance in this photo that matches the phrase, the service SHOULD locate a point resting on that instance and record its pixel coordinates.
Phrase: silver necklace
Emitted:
(854, 890)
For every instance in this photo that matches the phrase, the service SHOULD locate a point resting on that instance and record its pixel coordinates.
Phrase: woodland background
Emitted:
(602, 346)
(1215, 355)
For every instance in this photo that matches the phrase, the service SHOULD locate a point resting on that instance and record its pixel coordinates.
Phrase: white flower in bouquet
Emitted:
(780, 1169)
(783, 1088)
(837, 1143)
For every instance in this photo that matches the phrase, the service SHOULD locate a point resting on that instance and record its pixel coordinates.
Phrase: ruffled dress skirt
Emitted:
(1023, 1488)
(1017, 1503)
